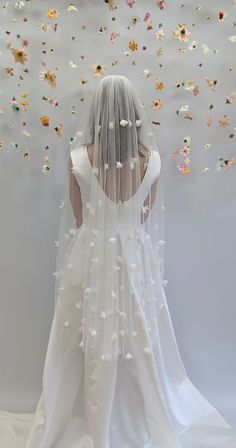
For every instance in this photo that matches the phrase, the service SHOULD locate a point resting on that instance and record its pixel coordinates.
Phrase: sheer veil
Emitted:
(126, 205)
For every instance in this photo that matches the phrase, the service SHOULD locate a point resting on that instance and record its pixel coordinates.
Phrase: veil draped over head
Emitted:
(123, 245)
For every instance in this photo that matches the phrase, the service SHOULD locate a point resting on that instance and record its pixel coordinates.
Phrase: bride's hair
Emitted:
(117, 114)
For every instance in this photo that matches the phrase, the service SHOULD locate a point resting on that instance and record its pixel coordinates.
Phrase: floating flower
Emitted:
(222, 15)
(185, 151)
(111, 4)
(114, 36)
(159, 85)
(156, 104)
(58, 129)
(130, 3)
(72, 8)
(20, 55)
(138, 123)
(181, 33)
(50, 77)
(133, 45)
(19, 5)
(45, 120)
(52, 13)
(135, 20)
(160, 34)
(98, 69)
(146, 17)
(183, 168)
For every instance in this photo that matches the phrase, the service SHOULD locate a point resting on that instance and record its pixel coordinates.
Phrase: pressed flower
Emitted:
(50, 77)
(98, 69)
(133, 45)
(19, 54)
(156, 104)
(111, 4)
(52, 13)
(72, 8)
(45, 120)
(159, 85)
(181, 33)
(222, 15)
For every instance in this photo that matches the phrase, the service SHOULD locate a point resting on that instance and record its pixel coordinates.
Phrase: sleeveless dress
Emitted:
(143, 400)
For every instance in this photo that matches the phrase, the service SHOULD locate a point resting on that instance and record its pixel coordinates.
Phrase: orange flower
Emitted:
(20, 55)
(24, 103)
(48, 76)
(159, 85)
(156, 104)
(52, 13)
(133, 45)
(45, 120)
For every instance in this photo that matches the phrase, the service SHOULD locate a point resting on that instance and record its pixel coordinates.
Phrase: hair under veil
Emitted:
(121, 164)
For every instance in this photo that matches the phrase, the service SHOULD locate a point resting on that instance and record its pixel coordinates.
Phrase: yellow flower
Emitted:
(181, 33)
(48, 76)
(98, 69)
(133, 45)
(52, 13)
(44, 120)
(20, 55)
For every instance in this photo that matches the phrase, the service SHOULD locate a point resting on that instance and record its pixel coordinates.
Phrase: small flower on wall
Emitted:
(45, 120)
(181, 33)
(156, 104)
(52, 13)
(20, 55)
(133, 45)
(50, 77)
(98, 69)
(111, 4)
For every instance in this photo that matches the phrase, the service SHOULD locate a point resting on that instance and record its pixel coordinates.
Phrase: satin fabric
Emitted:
(142, 400)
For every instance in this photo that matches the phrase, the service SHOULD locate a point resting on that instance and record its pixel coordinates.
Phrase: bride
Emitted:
(113, 376)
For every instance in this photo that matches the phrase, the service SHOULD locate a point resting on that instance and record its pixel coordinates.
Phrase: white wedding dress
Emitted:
(141, 400)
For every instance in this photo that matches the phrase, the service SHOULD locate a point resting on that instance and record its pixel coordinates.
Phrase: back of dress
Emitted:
(118, 260)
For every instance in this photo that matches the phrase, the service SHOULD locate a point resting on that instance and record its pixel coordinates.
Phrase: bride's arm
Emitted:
(75, 197)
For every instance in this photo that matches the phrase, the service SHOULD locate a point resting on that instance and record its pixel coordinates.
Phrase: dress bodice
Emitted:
(82, 170)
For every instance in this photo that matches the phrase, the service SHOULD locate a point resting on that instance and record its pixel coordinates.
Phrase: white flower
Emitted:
(138, 123)
(128, 356)
(133, 266)
(147, 350)
(161, 242)
(123, 122)
(113, 240)
(72, 7)
(88, 290)
(119, 165)
(111, 125)
(19, 5)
